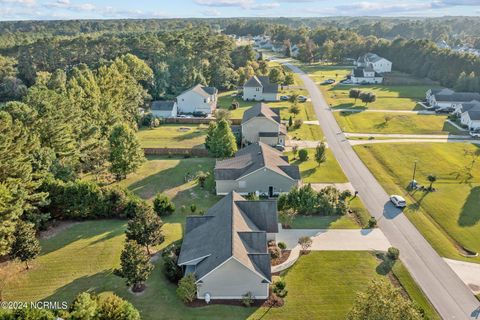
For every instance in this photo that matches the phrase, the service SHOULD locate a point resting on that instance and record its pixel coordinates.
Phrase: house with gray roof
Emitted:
(164, 109)
(198, 99)
(260, 89)
(469, 115)
(262, 123)
(257, 168)
(226, 248)
(365, 75)
(374, 61)
(447, 99)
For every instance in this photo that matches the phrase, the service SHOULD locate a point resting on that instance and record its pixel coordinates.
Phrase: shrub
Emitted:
(393, 253)
(187, 289)
(305, 243)
(372, 223)
(247, 299)
(193, 207)
(303, 155)
(202, 177)
(170, 268)
(297, 123)
(274, 252)
(282, 245)
(294, 109)
(162, 205)
(279, 288)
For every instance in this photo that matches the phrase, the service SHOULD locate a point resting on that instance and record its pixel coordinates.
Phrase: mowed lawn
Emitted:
(450, 213)
(173, 136)
(379, 122)
(324, 284)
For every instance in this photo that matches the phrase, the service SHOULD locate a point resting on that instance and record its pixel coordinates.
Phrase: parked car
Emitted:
(398, 201)
(280, 147)
(302, 99)
(475, 133)
(284, 98)
(328, 81)
(346, 81)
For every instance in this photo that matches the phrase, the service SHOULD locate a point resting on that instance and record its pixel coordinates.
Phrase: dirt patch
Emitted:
(55, 228)
(184, 129)
(282, 258)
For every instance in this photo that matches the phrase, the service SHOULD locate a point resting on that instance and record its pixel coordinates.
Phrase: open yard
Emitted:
(379, 122)
(451, 214)
(173, 136)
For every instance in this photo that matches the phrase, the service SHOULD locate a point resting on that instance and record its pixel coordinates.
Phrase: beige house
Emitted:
(226, 248)
(261, 123)
(257, 168)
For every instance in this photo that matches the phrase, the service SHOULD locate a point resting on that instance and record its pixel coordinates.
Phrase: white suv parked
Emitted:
(398, 201)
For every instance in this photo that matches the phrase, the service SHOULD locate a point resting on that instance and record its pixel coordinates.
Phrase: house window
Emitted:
(257, 89)
(205, 100)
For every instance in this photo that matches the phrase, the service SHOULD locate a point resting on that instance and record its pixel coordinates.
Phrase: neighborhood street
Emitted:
(450, 296)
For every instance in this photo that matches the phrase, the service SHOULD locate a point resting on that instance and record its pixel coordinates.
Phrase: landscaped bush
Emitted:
(393, 253)
(187, 289)
(247, 299)
(297, 123)
(282, 245)
(162, 205)
(170, 268)
(372, 223)
(303, 155)
(279, 288)
(274, 252)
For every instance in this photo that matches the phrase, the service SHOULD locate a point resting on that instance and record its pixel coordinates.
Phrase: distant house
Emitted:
(260, 89)
(226, 248)
(447, 99)
(262, 123)
(365, 75)
(164, 109)
(294, 51)
(374, 61)
(469, 114)
(257, 168)
(198, 99)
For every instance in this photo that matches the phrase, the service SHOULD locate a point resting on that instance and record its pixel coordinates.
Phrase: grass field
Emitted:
(453, 211)
(379, 122)
(323, 285)
(327, 172)
(173, 136)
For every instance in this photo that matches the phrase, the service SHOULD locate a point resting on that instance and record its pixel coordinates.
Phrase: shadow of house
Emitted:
(470, 213)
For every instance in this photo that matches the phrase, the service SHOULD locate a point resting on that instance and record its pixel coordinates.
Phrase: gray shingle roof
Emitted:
(457, 96)
(358, 72)
(470, 105)
(202, 90)
(262, 81)
(163, 105)
(369, 57)
(233, 227)
(474, 114)
(252, 158)
(261, 110)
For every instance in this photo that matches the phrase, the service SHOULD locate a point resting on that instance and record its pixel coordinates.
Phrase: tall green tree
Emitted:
(321, 153)
(26, 246)
(135, 265)
(125, 152)
(145, 227)
(220, 140)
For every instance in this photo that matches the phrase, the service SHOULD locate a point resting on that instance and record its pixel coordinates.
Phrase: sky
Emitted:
(112, 9)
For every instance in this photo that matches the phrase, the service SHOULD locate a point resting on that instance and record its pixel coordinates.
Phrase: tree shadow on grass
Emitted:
(470, 213)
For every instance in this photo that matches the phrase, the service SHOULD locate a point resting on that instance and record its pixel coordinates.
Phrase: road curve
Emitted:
(449, 295)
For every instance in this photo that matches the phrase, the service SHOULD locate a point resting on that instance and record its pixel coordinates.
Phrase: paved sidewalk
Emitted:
(469, 272)
(302, 143)
(373, 141)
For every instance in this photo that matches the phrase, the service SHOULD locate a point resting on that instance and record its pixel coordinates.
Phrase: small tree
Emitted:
(25, 246)
(125, 152)
(290, 121)
(289, 79)
(294, 109)
(294, 98)
(305, 243)
(279, 288)
(135, 265)
(113, 307)
(368, 97)
(393, 253)
(220, 140)
(276, 75)
(431, 178)
(320, 153)
(222, 114)
(162, 205)
(294, 151)
(202, 178)
(247, 299)
(84, 307)
(354, 94)
(145, 227)
(303, 155)
(187, 289)
(372, 223)
(193, 207)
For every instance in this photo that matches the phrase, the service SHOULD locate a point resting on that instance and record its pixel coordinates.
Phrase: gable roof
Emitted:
(233, 227)
(202, 90)
(474, 113)
(358, 72)
(251, 158)
(163, 105)
(261, 110)
(369, 57)
(456, 96)
(262, 82)
(470, 105)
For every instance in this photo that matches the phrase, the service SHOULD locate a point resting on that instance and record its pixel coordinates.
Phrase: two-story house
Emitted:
(260, 89)
(377, 63)
(261, 123)
(199, 99)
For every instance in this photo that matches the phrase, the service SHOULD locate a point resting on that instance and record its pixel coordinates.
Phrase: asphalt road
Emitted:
(449, 295)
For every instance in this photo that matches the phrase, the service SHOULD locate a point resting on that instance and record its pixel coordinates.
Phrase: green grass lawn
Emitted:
(173, 136)
(323, 285)
(376, 122)
(328, 222)
(450, 213)
(327, 172)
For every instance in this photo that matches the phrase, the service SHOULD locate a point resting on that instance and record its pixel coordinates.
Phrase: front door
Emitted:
(270, 191)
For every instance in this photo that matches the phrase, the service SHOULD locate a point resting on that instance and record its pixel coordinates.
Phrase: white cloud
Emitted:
(211, 13)
(225, 3)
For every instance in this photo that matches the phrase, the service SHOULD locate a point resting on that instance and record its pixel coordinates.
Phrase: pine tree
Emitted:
(26, 246)
(135, 265)
(145, 227)
(125, 152)
(220, 140)
(320, 153)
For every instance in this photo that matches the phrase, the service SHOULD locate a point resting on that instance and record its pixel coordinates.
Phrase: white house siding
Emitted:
(251, 128)
(373, 80)
(190, 102)
(472, 124)
(270, 97)
(382, 66)
(259, 180)
(253, 93)
(165, 114)
(232, 280)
